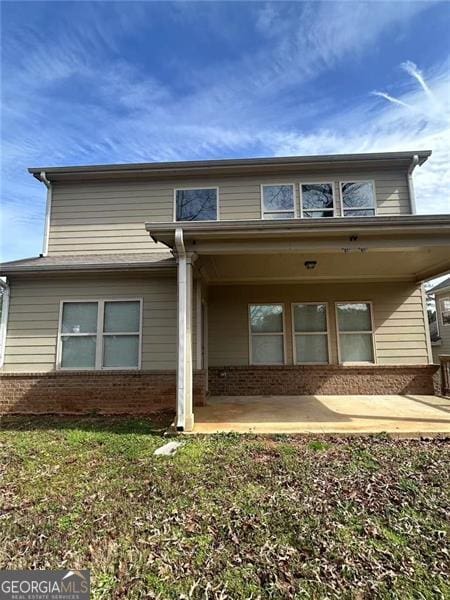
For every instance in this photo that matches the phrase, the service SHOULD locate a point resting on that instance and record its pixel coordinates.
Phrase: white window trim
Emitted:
(341, 198)
(99, 334)
(339, 333)
(251, 333)
(275, 212)
(295, 333)
(438, 324)
(442, 311)
(197, 187)
(335, 199)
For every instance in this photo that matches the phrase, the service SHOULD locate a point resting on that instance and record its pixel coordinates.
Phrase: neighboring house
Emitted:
(441, 344)
(161, 282)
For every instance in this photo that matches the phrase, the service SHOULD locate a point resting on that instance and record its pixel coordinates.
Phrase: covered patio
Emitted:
(408, 415)
(308, 274)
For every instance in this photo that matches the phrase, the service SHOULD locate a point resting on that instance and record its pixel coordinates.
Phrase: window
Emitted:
(199, 204)
(278, 201)
(121, 334)
(355, 332)
(317, 200)
(445, 311)
(310, 322)
(358, 198)
(266, 334)
(101, 334)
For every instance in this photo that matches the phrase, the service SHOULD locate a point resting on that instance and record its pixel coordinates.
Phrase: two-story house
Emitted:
(162, 282)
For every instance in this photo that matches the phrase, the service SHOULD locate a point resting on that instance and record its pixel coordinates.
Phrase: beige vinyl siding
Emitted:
(400, 336)
(34, 313)
(108, 217)
(444, 330)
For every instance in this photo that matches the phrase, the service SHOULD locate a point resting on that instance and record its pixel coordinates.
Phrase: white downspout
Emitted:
(412, 197)
(426, 324)
(48, 208)
(4, 320)
(185, 418)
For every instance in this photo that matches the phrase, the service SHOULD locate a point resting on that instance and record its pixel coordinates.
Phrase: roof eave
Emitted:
(222, 166)
(443, 290)
(119, 268)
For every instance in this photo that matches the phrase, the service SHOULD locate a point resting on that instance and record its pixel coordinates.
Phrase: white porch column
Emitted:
(185, 416)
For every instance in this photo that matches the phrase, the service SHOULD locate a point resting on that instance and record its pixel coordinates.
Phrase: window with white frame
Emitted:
(278, 201)
(317, 200)
(100, 334)
(358, 198)
(310, 323)
(196, 204)
(266, 334)
(355, 332)
(445, 311)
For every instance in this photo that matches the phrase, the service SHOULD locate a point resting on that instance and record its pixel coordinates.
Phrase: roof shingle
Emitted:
(151, 260)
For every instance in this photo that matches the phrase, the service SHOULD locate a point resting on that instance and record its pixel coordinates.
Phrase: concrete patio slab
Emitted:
(402, 415)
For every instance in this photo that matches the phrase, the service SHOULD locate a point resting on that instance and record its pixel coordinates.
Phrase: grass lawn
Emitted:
(227, 517)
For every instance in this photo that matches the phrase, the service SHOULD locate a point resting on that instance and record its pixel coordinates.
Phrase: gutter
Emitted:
(412, 197)
(4, 319)
(119, 267)
(182, 168)
(48, 208)
(437, 224)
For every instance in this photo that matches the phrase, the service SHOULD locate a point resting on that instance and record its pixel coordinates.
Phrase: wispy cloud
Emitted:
(390, 98)
(413, 70)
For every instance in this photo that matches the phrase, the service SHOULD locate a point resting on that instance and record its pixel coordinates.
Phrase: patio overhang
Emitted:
(411, 248)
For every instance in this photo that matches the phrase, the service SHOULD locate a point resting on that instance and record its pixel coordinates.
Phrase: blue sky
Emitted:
(104, 82)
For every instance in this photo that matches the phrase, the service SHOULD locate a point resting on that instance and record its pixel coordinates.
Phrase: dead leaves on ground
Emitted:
(229, 517)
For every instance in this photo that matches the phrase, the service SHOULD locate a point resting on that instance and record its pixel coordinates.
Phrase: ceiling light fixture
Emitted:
(310, 264)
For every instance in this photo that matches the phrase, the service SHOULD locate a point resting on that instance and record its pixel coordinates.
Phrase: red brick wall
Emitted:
(84, 392)
(320, 379)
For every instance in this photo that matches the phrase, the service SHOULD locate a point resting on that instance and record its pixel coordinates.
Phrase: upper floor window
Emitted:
(196, 204)
(317, 200)
(278, 201)
(358, 199)
(100, 334)
(445, 311)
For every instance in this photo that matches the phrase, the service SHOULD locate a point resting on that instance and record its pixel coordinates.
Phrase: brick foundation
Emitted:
(81, 392)
(320, 379)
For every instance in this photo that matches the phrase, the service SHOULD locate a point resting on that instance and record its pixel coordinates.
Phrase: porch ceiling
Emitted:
(413, 248)
(409, 265)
